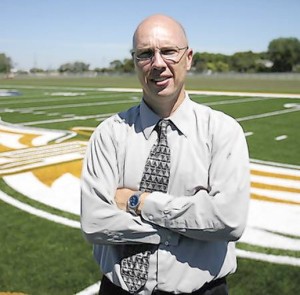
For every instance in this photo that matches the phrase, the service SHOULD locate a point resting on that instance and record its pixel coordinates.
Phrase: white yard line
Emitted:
(276, 167)
(75, 118)
(25, 101)
(215, 93)
(137, 90)
(76, 105)
(265, 115)
(38, 212)
(234, 101)
(249, 94)
(278, 259)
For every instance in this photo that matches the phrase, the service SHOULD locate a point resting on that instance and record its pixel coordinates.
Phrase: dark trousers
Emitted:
(217, 287)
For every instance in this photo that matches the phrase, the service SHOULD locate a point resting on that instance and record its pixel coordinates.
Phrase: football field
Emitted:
(44, 128)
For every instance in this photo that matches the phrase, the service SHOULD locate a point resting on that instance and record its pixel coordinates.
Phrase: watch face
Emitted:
(133, 201)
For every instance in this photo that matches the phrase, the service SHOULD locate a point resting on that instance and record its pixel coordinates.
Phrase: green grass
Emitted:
(42, 257)
(262, 144)
(257, 278)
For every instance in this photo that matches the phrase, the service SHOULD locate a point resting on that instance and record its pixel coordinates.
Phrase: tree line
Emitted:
(282, 55)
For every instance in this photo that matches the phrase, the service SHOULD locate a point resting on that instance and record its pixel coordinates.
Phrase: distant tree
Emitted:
(245, 62)
(36, 70)
(210, 61)
(199, 63)
(284, 53)
(79, 67)
(125, 66)
(221, 66)
(116, 65)
(5, 63)
(76, 67)
(128, 65)
(102, 70)
(67, 67)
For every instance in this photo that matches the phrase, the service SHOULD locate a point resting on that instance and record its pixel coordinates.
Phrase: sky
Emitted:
(49, 33)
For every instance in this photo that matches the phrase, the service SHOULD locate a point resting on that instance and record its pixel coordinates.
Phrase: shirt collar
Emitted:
(180, 118)
(148, 119)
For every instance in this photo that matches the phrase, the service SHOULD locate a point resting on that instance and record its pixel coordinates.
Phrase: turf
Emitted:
(42, 257)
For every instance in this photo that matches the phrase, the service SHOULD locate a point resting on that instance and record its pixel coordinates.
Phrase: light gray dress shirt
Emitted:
(195, 223)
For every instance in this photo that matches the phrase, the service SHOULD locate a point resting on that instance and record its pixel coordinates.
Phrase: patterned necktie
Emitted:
(135, 264)
(157, 170)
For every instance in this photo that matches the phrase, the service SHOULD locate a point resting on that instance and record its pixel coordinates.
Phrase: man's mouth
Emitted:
(160, 81)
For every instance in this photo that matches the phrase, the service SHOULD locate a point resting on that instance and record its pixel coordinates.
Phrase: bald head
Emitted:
(160, 26)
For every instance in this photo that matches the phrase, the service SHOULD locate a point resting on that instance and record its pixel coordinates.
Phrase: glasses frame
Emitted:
(149, 59)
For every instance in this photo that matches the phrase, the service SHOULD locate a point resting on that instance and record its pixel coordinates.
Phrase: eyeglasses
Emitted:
(168, 54)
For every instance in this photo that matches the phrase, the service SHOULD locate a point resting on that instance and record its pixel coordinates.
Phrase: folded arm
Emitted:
(218, 212)
(101, 220)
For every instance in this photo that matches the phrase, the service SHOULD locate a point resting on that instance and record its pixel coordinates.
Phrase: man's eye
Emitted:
(145, 54)
(168, 51)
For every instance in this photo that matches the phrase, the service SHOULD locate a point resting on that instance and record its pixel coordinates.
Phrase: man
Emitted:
(167, 225)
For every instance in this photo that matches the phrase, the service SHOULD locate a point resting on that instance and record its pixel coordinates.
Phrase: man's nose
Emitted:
(157, 60)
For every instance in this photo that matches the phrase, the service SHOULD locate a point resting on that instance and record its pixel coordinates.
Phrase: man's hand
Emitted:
(122, 196)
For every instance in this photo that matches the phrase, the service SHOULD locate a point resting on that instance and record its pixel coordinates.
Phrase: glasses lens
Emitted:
(146, 54)
(169, 53)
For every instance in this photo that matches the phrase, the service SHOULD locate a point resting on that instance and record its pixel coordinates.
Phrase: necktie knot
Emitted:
(162, 130)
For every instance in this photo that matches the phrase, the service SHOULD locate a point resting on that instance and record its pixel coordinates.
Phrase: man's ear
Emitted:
(189, 58)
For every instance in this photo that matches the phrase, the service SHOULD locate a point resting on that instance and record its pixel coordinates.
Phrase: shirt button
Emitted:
(167, 243)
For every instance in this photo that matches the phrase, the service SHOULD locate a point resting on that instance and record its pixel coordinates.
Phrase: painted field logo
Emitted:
(18, 161)
(37, 163)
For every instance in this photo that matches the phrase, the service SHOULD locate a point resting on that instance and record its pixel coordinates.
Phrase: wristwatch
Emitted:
(133, 203)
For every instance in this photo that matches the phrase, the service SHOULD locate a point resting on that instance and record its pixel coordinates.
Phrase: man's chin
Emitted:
(162, 91)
